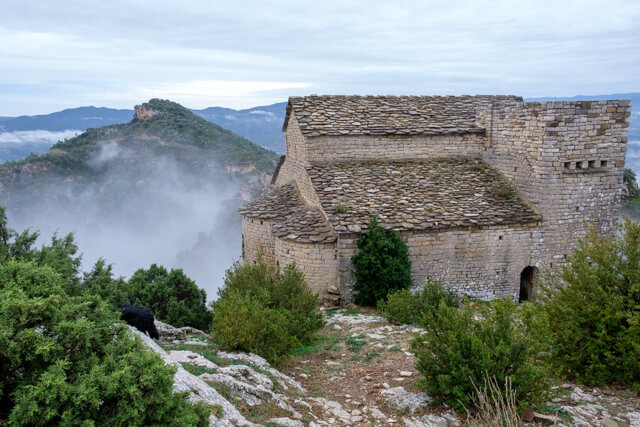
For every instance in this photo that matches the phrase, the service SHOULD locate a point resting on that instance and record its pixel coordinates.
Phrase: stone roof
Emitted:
(294, 220)
(305, 225)
(417, 195)
(384, 115)
(276, 203)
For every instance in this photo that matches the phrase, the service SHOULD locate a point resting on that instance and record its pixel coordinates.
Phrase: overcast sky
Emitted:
(62, 54)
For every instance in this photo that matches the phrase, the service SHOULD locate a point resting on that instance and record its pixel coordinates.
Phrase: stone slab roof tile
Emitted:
(387, 115)
(417, 195)
(293, 219)
(276, 203)
(305, 225)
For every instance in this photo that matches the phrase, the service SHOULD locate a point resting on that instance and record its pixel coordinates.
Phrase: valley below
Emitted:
(163, 188)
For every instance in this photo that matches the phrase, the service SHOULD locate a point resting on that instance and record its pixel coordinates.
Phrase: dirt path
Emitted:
(359, 362)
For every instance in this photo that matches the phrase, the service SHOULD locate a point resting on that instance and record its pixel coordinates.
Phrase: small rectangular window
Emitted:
(592, 163)
(603, 163)
(567, 165)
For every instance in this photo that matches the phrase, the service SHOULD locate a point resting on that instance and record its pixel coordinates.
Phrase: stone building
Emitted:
(484, 190)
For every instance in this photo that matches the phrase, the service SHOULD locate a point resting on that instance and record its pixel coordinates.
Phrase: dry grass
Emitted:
(494, 407)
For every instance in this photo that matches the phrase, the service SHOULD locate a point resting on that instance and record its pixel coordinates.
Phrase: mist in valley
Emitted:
(19, 144)
(138, 207)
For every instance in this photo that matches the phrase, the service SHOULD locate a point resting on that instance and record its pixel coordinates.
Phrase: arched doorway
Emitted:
(528, 278)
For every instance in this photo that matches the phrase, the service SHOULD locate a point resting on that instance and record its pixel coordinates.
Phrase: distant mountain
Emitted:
(81, 118)
(261, 125)
(634, 96)
(147, 191)
(159, 128)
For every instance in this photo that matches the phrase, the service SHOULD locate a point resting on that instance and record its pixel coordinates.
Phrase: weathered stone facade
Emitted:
(483, 190)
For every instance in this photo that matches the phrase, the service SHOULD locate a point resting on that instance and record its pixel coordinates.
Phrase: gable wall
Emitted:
(293, 168)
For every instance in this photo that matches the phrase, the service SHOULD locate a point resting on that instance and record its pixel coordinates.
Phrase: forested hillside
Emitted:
(142, 192)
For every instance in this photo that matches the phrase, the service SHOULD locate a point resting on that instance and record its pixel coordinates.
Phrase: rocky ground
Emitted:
(360, 372)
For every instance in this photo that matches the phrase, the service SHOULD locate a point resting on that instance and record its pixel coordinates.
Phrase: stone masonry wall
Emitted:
(567, 161)
(327, 148)
(293, 168)
(484, 263)
(318, 262)
(257, 239)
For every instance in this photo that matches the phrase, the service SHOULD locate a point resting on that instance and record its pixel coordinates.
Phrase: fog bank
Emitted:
(140, 207)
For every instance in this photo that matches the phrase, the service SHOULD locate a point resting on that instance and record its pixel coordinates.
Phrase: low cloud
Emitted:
(37, 136)
(140, 208)
(269, 116)
(107, 152)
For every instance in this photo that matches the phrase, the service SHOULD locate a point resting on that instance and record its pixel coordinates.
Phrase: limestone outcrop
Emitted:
(142, 112)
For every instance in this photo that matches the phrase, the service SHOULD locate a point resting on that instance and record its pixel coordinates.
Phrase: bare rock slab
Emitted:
(402, 400)
(197, 388)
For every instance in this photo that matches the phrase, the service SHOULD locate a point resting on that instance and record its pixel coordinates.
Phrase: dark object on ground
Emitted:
(139, 317)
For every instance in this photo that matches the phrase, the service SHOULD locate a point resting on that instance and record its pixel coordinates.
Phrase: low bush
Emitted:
(463, 346)
(593, 315)
(171, 295)
(381, 266)
(406, 307)
(265, 311)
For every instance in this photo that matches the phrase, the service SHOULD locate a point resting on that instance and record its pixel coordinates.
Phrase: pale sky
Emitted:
(239, 54)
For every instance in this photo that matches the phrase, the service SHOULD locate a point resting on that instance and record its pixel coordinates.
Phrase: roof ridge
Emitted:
(380, 115)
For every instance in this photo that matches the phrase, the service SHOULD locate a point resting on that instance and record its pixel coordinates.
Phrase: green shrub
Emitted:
(462, 347)
(60, 254)
(381, 266)
(265, 311)
(406, 307)
(244, 322)
(172, 296)
(594, 316)
(64, 357)
(100, 281)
